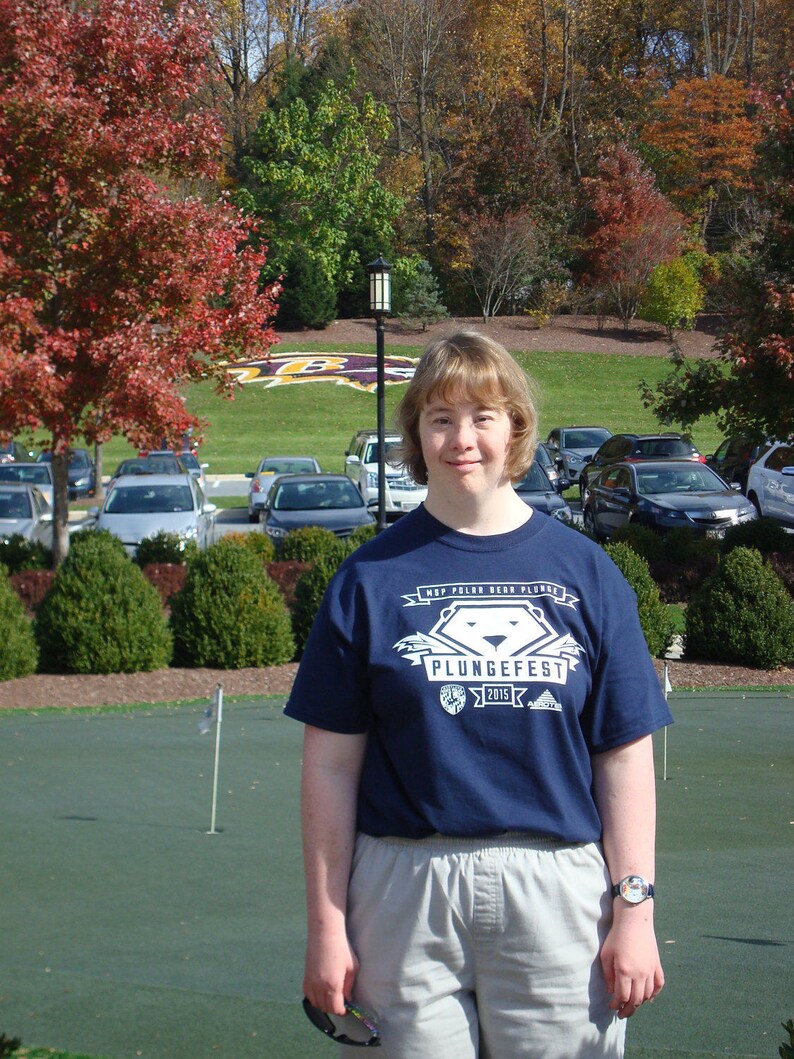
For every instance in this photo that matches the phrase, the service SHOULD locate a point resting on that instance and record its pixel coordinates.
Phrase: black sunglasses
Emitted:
(325, 1023)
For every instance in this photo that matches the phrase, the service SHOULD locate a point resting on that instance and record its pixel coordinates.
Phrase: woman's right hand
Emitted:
(331, 968)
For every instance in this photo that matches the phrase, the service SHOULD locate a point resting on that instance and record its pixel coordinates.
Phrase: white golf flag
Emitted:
(211, 713)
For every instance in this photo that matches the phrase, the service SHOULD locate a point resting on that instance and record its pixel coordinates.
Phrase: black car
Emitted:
(327, 500)
(536, 490)
(631, 447)
(82, 475)
(735, 456)
(663, 495)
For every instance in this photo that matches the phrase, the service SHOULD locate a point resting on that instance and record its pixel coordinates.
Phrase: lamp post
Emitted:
(380, 304)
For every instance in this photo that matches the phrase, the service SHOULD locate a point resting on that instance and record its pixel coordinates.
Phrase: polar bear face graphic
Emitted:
(494, 628)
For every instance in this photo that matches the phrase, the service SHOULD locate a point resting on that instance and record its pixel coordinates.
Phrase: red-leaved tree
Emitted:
(633, 230)
(117, 285)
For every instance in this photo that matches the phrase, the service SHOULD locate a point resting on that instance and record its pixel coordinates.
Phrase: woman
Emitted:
(478, 773)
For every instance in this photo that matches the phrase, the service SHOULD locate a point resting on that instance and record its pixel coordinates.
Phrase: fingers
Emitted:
(630, 994)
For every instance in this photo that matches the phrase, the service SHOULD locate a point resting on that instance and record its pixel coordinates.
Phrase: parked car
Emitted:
(39, 474)
(770, 483)
(547, 462)
(664, 495)
(327, 500)
(12, 450)
(160, 463)
(24, 510)
(735, 456)
(633, 447)
(361, 466)
(536, 490)
(266, 473)
(81, 472)
(186, 461)
(572, 447)
(141, 506)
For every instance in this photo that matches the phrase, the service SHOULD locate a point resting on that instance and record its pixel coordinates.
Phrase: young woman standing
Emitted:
(478, 802)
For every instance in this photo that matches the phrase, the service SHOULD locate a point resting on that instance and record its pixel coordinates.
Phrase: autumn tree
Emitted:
(633, 229)
(750, 386)
(502, 259)
(116, 285)
(704, 145)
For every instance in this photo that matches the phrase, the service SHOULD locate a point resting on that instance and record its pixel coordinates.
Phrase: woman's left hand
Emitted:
(630, 959)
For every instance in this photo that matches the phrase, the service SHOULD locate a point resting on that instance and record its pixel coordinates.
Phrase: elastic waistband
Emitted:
(475, 843)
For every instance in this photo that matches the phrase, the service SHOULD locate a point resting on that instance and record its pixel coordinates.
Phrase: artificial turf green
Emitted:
(128, 931)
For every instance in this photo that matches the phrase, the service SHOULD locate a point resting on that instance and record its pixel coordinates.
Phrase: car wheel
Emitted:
(253, 516)
(590, 523)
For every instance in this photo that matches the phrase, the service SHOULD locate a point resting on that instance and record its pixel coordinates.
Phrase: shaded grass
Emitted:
(320, 418)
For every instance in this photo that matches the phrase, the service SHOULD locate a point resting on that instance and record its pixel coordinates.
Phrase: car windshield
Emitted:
(148, 499)
(534, 481)
(583, 439)
(656, 447)
(14, 505)
(149, 465)
(37, 474)
(371, 455)
(282, 466)
(697, 480)
(313, 496)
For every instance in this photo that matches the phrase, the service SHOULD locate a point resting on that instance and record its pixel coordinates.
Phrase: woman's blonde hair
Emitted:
(469, 365)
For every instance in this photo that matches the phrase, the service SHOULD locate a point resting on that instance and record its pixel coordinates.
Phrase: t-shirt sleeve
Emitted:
(331, 688)
(626, 700)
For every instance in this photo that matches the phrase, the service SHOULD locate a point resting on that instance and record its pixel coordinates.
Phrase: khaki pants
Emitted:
(483, 948)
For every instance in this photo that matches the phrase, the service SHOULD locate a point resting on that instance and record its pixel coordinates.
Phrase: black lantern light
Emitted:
(380, 304)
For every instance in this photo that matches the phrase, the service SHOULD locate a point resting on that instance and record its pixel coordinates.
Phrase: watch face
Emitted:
(634, 889)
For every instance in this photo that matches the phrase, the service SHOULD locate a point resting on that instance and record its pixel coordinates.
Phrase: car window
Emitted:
(14, 505)
(29, 473)
(372, 451)
(584, 439)
(662, 447)
(147, 499)
(535, 480)
(622, 478)
(554, 439)
(780, 458)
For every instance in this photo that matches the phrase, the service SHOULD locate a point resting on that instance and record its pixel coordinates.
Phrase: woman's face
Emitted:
(464, 444)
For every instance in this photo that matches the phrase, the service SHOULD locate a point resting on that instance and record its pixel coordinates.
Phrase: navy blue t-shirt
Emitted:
(486, 671)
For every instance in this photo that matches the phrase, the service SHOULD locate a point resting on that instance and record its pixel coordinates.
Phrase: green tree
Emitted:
(313, 177)
(673, 296)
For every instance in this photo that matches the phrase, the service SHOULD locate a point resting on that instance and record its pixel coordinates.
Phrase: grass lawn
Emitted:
(128, 931)
(319, 418)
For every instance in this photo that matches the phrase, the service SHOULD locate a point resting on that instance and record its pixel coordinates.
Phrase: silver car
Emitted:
(268, 471)
(39, 474)
(770, 483)
(140, 506)
(572, 447)
(24, 510)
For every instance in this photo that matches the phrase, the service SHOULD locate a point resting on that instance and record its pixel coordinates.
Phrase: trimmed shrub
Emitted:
(17, 553)
(286, 575)
(683, 545)
(673, 296)
(657, 625)
(742, 614)
(165, 547)
(167, 578)
(19, 656)
(101, 615)
(677, 581)
(259, 543)
(32, 586)
(641, 539)
(230, 614)
(309, 295)
(309, 593)
(764, 534)
(310, 543)
(359, 536)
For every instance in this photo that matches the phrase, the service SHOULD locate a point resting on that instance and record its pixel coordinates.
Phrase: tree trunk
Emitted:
(99, 489)
(60, 507)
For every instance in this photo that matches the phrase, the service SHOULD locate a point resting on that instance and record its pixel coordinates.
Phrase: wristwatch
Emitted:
(633, 889)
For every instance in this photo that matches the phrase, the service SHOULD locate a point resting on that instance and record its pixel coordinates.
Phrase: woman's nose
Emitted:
(463, 435)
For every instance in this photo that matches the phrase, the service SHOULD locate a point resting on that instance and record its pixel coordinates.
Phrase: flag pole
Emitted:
(667, 688)
(219, 701)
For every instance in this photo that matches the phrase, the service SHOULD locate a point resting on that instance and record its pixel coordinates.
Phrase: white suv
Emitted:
(770, 483)
(361, 465)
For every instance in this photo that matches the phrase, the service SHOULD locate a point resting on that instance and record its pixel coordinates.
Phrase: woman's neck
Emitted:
(499, 511)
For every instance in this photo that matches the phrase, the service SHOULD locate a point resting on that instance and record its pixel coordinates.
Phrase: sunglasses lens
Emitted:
(356, 1028)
